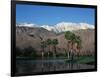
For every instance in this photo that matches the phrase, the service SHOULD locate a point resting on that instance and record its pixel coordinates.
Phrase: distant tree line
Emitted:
(48, 43)
(26, 52)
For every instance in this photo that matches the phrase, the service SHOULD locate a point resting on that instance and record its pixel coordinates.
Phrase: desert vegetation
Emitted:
(49, 49)
(38, 49)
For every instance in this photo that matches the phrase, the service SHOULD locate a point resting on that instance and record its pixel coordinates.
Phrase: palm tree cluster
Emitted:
(73, 46)
(74, 43)
(48, 43)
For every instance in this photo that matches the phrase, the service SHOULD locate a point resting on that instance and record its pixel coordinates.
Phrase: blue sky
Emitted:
(51, 15)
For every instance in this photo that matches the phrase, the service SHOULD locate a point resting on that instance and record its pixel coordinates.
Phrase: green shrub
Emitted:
(18, 52)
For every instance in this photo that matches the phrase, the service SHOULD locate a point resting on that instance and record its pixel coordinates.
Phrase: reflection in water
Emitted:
(36, 66)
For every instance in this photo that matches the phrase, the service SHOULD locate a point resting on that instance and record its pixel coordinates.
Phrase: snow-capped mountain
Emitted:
(61, 27)
(26, 24)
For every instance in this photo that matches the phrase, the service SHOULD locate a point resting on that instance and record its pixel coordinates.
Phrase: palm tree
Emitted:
(74, 43)
(67, 37)
(68, 49)
(43, 45)
(79, 46)
(73, 40)
(70, 37)
(54, 42)
(49, 42)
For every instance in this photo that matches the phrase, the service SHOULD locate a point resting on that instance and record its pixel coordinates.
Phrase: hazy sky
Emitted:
(51, 15)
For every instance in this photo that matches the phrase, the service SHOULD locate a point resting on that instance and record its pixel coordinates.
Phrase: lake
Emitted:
(38, 66)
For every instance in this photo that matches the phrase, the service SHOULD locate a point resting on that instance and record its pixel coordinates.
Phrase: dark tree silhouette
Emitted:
(43, 45)
(74, 43)
(49, 42)
(55, 42)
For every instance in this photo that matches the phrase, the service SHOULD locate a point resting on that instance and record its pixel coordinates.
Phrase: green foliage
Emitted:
(34, 54)
(18, 52)
(43, 44)
(49, 41)
(68, 35)
(79, 41)
(50, 54)
(73, 38)
(46, 54)
(26, 52)
(60, 55)
(54, 41)
(86, 59)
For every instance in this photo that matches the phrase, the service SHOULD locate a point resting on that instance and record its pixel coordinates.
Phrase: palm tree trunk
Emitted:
(49, 51)
(55, 50)
(68, 54)
(48, 54)
(72, 52)
(43, 52)
(78, 53)
(42, 55)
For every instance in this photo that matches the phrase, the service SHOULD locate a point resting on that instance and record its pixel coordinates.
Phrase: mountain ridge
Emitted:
(60, 27)
(32, 37)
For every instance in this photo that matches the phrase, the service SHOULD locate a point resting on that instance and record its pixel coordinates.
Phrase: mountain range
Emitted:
(60, 27)
(31, 35)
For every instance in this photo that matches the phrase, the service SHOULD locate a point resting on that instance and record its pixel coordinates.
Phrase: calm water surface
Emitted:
(38, 66)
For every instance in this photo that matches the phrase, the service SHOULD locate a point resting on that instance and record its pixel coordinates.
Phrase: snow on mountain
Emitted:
(26, 24)
(85, 25)
(47, 27)
(61, 27)
(67, 26)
